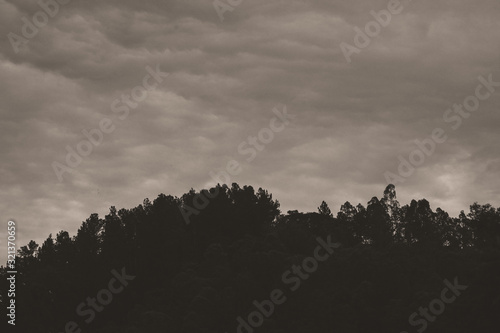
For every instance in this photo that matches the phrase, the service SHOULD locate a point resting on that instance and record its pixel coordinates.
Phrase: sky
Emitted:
(219, 73)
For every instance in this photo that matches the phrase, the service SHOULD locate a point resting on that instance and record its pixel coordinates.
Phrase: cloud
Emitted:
(353, 120)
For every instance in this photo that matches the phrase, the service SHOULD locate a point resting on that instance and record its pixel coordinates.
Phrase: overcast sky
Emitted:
(352, 119)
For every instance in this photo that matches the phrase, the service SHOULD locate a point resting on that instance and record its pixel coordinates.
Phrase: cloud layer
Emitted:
(352, 119)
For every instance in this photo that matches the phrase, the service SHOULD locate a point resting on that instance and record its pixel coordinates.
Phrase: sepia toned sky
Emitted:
(351, 119)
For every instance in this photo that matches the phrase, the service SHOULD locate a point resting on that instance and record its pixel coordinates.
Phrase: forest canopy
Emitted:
(203, 275)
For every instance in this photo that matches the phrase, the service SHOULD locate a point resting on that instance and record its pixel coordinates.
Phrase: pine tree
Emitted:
(323, 209)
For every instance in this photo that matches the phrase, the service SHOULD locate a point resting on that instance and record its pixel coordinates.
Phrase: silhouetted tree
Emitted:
(484, 223)
(88, 239)
(47, 252)
(323, 209)
(201, 274)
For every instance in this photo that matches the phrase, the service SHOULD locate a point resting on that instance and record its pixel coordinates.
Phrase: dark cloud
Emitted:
(352, 119)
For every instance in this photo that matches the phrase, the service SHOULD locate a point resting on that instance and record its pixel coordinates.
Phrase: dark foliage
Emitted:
(202, 275)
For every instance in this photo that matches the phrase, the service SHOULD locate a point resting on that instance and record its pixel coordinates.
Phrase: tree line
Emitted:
(199, 277)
